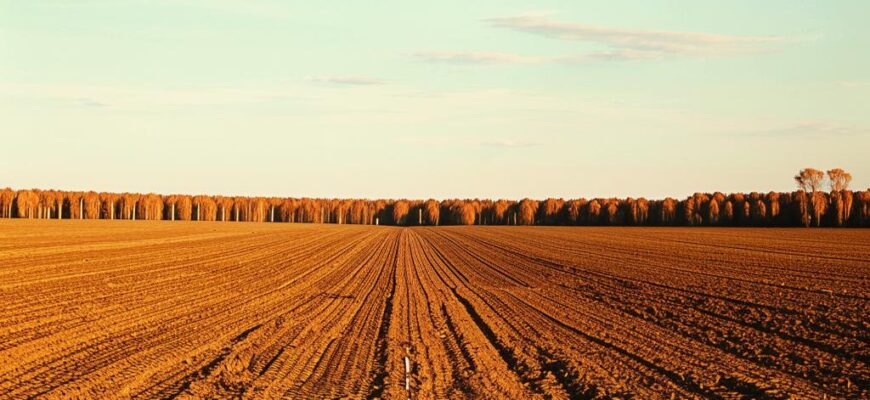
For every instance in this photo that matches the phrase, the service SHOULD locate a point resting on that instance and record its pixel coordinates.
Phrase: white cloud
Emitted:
(641, 42)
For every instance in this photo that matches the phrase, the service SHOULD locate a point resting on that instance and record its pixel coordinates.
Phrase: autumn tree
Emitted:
(839, 179)
(128, 205)
(170, 205)
(611, 209)
(432, 212)
(802, 208)
(462, 212)
(274, 205)
(863, 208)
(809, 179)
(668, 211)
(848, 202)
(700, 203)
(774, 207)
(638, 211)
(527, 210)
(225, 206)
(26, 201)
(46, 203)
(92, 205)
(500, 211)
(240, 207)
(689, 211)
(184, 207)
(574, 210)
(287, 209)
(819, 202)
(400, 212)
(259, 209)
(593, 212)
(477, 205)
(150, 207)
(759, 212)
(205, 208)
(358, 212)
(837, 208)
(109, 201)
(729, 212)
(7, 198)
(713, 212)
(74, 205)
(549, 210)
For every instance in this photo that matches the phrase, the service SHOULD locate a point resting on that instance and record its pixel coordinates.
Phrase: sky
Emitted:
(448, 99)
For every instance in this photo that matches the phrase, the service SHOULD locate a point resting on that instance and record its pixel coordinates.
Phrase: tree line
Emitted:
(809, 206)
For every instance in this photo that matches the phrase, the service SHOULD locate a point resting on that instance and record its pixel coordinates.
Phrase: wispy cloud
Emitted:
(820, 129)
(476, 58)
(499, 58)
(649, 43)
(619, 44)
(348, 80)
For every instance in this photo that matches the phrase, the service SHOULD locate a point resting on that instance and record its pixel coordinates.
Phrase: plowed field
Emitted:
(118, 309)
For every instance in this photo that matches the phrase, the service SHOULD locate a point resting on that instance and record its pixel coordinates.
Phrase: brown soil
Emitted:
(119, 309)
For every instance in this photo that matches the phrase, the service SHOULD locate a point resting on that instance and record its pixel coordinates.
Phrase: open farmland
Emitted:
(151, 309)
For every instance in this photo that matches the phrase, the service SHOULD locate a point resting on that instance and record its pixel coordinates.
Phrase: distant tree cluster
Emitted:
(808, 206)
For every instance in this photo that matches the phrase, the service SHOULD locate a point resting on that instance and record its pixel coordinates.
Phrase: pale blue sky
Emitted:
(444, 99)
